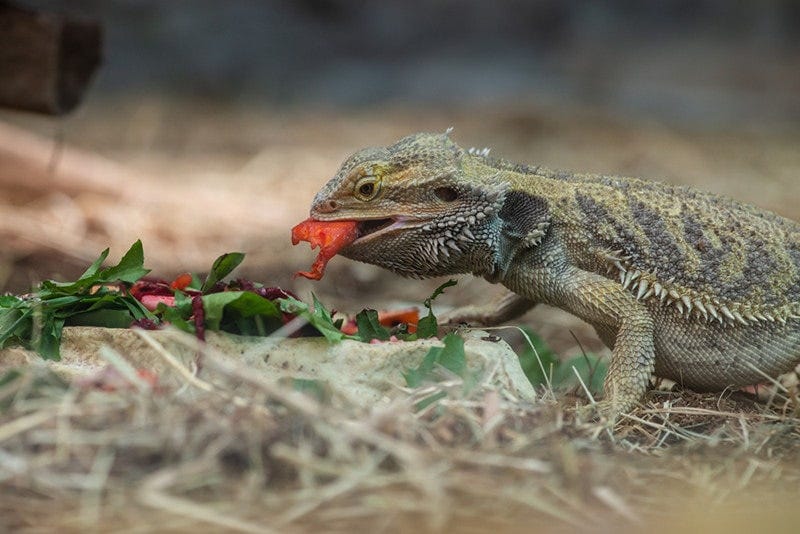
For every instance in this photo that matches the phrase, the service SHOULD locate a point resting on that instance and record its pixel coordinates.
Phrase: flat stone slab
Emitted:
(365, 373)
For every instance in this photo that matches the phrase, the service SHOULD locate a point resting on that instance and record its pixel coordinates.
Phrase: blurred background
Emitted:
(210, 125)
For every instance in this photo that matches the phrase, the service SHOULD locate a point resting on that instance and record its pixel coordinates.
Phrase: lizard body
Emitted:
(688, 285)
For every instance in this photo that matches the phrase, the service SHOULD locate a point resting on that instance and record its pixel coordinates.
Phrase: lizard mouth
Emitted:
(373, 226)
(370, 228)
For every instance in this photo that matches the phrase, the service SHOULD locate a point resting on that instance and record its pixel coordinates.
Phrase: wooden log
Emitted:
(46, 60)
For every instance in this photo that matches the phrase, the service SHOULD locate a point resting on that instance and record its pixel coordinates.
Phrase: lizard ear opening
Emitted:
(525, 216)
(447, 194)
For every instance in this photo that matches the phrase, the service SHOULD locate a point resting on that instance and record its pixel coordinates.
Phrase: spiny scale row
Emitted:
(646, 285)
(483, 152)
(535, 236)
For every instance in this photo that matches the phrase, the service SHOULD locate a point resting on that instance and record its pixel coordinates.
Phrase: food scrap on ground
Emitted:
(389, 319)
(122, 295)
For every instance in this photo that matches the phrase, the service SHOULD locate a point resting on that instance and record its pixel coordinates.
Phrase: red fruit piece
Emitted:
(391, 319)
(151, 302)
(181, 282)
(329, 236)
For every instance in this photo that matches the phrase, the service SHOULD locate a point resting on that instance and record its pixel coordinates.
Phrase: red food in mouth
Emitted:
(329, 236)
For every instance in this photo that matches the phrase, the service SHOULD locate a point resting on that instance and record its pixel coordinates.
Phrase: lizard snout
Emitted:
(324, 206)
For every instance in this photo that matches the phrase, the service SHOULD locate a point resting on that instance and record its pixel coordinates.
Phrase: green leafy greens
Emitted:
(450, 356)
(101, 297)
(222, 267)
(36, 321)
(428, 325)
(543, 367)
(317, 316)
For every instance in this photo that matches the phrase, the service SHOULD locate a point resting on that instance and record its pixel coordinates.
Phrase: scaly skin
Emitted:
(688, 285)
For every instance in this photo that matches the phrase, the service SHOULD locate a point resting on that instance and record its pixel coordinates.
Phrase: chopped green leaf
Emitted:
(428, 326)
(7, 301)
(106, 318)
(451, 356)
(415, 377)
(129, 269)
(95, 266)
(319, 317)
(15, 322)
(37, 322)
(222, 267)
(369, 327)
(46, 340)
(438, 291)
(196, 283)
(244, 303)
(542, 366)
(136, 308)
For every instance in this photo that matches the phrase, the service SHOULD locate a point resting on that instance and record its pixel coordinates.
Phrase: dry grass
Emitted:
(230, 450)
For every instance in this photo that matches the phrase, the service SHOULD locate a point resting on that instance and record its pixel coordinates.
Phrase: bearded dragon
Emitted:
(680, 283)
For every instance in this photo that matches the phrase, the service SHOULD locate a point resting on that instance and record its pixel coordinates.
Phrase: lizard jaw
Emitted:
(372, 228)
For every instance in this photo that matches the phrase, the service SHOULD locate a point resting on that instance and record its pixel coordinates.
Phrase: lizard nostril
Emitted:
(329, 206)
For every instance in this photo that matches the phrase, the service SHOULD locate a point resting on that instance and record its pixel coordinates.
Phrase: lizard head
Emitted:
(418, 213)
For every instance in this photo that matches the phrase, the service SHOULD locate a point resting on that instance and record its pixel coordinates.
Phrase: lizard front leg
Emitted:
(625, 325)
(507, 306)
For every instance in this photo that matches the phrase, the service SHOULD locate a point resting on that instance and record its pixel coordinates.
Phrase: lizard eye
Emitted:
(367, 188)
